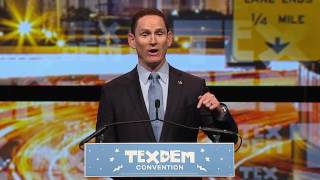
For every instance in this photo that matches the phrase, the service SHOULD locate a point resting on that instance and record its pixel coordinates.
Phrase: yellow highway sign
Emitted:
(286, 30)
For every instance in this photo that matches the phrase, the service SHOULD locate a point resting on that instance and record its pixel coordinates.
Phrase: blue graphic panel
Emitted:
(159, 159)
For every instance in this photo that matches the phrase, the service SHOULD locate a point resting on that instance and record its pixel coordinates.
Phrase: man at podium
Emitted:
(156, 90)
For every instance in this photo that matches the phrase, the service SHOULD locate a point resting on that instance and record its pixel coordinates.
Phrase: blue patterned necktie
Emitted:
(154, 93)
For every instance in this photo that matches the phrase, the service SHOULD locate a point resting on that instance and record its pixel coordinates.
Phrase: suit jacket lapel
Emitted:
(174, 94)
(135, 93)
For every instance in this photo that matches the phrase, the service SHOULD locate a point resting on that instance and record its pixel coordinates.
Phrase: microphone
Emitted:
(101, 130)
(157, 105)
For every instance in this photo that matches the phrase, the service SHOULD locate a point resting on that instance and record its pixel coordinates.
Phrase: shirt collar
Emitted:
(163, 73)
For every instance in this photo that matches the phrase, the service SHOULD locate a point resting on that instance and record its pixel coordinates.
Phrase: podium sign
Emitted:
(159, 160)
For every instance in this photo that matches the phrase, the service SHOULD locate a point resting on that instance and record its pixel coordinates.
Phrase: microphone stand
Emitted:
(105, 127)
(157, 105)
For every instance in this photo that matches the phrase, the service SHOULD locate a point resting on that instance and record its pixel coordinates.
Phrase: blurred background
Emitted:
(231, 44)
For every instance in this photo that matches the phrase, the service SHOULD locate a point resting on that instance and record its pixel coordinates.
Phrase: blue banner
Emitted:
(159, 160)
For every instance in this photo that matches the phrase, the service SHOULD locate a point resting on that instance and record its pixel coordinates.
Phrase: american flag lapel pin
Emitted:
(180, 82)
(224, 109)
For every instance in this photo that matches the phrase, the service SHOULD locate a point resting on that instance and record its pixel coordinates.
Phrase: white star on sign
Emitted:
(202, 150)
(207, 159)
(117, 150)
(111, 159)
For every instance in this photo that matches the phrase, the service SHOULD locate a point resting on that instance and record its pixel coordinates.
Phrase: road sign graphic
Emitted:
(285, 30)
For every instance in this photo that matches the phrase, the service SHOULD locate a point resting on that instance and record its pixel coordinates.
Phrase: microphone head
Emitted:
(157, 103)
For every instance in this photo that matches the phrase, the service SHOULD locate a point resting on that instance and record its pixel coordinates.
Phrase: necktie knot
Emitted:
(154, 76)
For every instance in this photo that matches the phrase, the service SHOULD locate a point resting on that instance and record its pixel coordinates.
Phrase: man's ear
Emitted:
(131, 40)
(169, 38)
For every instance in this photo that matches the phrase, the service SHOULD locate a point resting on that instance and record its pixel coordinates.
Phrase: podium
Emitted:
(159, 160)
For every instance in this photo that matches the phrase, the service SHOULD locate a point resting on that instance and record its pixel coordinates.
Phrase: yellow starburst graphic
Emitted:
(24, 23)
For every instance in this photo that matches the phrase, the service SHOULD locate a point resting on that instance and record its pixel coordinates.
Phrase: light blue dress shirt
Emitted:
(145, 83)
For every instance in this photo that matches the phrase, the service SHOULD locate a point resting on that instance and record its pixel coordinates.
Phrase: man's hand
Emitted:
(208, 100)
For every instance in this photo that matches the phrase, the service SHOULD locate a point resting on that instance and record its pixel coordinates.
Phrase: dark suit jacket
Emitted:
(122, 101)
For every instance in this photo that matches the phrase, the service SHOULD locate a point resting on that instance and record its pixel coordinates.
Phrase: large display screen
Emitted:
(39, 140)
(228, 43)
(84, 42)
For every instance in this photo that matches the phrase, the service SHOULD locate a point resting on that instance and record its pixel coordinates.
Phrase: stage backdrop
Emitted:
(228, 43)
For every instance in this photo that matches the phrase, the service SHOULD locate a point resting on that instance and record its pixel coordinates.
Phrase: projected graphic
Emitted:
(40, 140)
(84, 42)
(263, 32)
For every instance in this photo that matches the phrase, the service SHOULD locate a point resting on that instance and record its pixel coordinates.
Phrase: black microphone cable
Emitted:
(157, 105)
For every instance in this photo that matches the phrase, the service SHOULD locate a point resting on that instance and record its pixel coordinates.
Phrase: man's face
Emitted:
(151, 41)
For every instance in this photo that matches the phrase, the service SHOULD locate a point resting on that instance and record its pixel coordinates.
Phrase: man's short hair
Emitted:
(145, 12)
